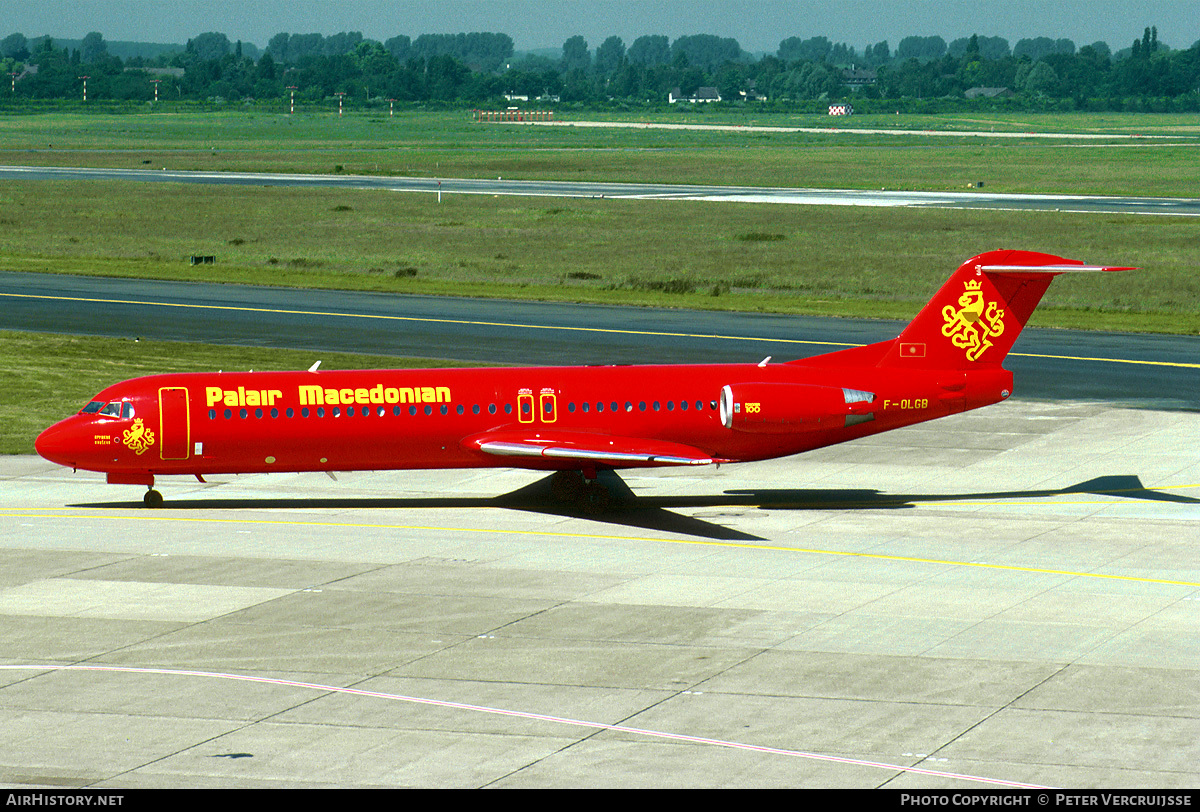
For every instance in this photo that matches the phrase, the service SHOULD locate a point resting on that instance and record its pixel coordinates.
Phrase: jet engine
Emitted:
(783, 408)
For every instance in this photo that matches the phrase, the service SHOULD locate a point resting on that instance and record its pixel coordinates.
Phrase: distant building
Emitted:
(702, 95)
(841, 109)
(176, 72)
(751, 93)
(858, 77)
(989, 93)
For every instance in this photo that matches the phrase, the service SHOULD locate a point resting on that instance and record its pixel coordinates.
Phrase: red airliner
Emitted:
(574, 421)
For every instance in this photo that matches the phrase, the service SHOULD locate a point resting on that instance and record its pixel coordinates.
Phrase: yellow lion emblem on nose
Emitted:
(137, 438)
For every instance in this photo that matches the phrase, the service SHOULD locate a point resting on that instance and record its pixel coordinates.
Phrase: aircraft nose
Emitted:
(58, 444)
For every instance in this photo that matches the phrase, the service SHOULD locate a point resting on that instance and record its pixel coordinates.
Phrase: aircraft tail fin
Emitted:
(973, 320)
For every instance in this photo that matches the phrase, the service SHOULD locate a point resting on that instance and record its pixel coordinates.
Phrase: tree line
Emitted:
(483, 69)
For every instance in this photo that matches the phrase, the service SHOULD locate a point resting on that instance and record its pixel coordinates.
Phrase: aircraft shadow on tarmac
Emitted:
(654, 512)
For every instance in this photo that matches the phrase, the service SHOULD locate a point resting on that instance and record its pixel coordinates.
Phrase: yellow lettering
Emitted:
(315, 396)
(213, 395)
(252, 398)
(274, 393)
(231, 399)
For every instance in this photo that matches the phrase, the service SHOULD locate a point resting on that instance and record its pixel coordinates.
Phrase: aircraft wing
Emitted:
(584, 448)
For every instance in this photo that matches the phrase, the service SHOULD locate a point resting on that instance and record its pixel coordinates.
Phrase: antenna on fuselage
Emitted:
(313, 368)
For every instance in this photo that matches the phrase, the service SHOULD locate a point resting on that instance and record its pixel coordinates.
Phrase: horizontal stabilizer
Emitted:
(1050, 268)
(571, 449)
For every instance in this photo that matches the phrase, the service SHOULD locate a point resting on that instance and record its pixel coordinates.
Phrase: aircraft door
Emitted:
(174, 424)
(549, 406)
(525, 406)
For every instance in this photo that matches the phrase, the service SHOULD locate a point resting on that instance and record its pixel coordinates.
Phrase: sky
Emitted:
(759, 25)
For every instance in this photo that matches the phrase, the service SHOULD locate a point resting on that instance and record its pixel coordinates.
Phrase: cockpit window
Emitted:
(111, 410)
(92, 407)
(126, 410)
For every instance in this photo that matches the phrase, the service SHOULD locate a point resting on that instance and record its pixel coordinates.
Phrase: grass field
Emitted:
(55, 375)
(804, 259)
(451, 145)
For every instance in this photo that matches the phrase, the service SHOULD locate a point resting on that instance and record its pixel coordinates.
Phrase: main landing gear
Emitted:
(586, 493)
(152, 499)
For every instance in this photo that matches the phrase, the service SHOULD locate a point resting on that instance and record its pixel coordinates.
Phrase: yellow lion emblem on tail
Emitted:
(973, 324)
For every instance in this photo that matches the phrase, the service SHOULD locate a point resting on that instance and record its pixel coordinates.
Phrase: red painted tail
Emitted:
(972, 322)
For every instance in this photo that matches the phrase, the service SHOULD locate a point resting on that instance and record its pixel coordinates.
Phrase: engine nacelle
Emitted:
(782, 408)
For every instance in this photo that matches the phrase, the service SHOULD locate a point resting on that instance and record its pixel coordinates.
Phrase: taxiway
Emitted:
(974, 199)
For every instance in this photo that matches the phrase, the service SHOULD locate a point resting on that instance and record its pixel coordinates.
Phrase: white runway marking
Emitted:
(533, 716)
